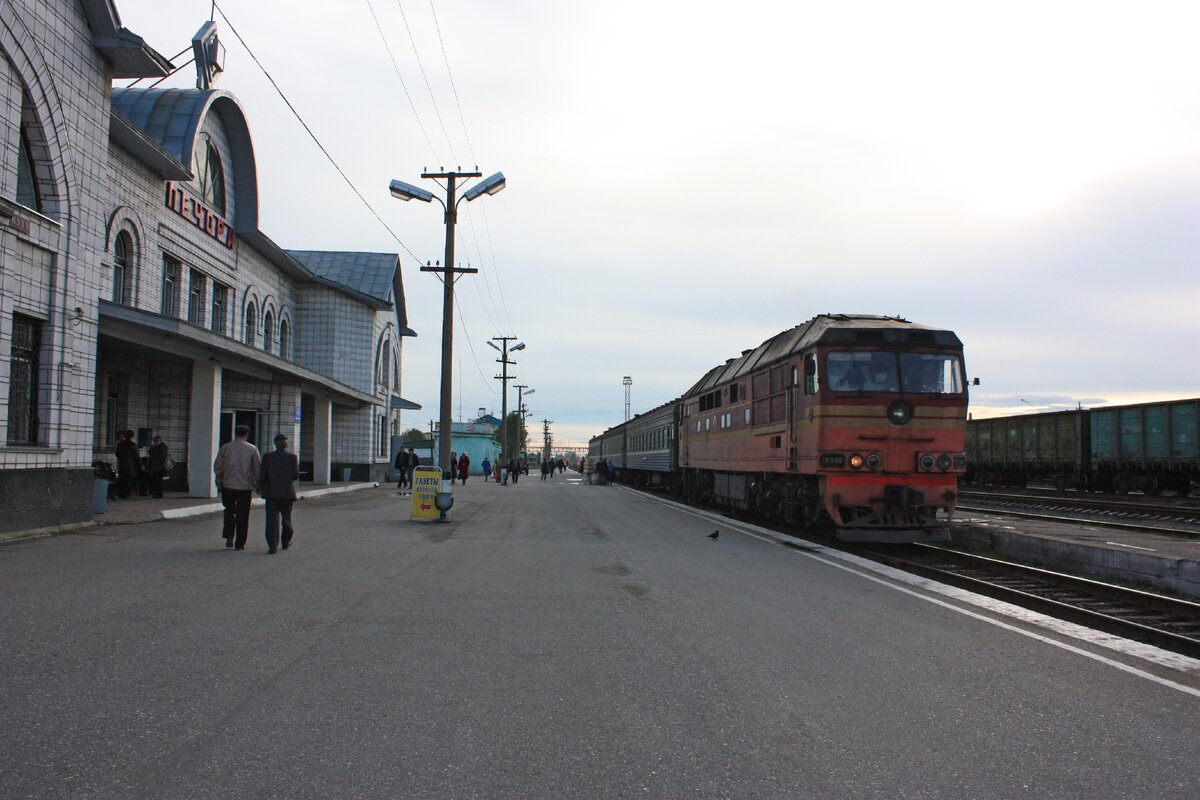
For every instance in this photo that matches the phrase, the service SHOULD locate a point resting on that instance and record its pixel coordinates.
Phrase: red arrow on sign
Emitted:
(425, 506)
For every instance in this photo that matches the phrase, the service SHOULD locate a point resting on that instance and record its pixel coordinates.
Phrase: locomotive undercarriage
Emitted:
(902, 514)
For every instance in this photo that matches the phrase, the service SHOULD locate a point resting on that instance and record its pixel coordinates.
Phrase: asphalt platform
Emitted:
(1163, 563)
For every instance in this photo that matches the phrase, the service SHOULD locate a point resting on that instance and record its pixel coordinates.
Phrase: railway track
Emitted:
(1164, 622)
(1160, 515)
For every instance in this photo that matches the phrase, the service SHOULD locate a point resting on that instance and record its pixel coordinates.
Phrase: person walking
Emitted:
(414, 461)
(160, 457)
(129, 464)
(277, 483)
(237, 470)
(486, 468)
(464, 467)
(401, 464)
(453, 467)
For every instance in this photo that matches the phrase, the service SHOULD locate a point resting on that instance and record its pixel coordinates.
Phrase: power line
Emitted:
(453, 87)
(425, 75)
(400, 77)
(296, 113)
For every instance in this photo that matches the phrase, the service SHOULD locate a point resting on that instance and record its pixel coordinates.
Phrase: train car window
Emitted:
(931, 373)
(747, 420)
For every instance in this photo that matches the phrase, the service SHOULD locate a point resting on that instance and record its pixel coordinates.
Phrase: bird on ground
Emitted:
(714, 534)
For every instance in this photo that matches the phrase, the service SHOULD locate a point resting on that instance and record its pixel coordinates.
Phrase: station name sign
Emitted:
(199, 214)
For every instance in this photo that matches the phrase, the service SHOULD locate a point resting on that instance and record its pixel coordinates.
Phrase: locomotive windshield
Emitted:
(877, 371)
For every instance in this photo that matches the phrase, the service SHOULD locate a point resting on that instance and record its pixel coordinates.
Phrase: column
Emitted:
(204, 428)
(322, 444)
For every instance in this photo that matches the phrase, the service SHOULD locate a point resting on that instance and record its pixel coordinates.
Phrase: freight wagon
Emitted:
(1149, 447)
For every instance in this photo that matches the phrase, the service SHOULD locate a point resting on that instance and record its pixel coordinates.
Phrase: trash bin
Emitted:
(345, 475)
(100, 495)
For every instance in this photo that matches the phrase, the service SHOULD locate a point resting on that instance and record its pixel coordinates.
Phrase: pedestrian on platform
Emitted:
(453, 470)
(401, 465)
(237, 469)
(129, 464)
(160, 457)
(486, 468)
(414, 461)
(277, 483)
(612, 472)
(464, 467)
(545, 469)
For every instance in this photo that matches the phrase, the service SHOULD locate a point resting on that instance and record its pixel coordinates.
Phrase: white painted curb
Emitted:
(212, 508)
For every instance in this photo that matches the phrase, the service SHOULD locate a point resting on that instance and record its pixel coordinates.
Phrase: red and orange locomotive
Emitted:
(853, 424)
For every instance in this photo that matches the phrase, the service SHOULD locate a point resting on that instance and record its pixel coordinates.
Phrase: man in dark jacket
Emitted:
(401, 464)
(129, 465)
(277, 483)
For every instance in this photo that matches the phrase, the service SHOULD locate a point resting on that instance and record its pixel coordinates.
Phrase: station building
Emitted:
(139, 293)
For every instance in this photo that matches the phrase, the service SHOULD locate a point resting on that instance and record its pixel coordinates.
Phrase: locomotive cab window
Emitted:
(931, 373)
(874, 371)
(862, 371)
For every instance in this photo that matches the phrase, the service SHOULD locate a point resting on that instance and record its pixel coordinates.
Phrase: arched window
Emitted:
(122, 279)
(251, 321)
(27, 188)
(268, 329)
(209, 175)
(284, 340)
(385, 370)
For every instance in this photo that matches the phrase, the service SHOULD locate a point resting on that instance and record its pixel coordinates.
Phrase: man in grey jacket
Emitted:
(237, 467)
(277, 483)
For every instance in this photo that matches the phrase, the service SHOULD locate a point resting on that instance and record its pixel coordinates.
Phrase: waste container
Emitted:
(100, 495)
(345, 475)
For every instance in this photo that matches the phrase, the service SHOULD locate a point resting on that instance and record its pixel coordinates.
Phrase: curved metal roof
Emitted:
(171, 118)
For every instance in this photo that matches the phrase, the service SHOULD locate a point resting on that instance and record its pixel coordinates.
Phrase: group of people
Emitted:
(240, 470)
(460, 467)
(551, 466)
(145, 475)
(605, 471)
(406, 461)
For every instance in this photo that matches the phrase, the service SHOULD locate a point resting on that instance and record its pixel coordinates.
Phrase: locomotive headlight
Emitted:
(944, 462)
(927, 462)
(873, 461)
(856, 461)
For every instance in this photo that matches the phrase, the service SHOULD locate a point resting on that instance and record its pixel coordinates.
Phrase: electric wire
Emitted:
(309, 130)
(403, 85)
(437, 111)
(437, 26)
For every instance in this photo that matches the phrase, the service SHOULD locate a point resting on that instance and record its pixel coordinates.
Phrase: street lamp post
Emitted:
(504, 378)
(521, 387)
(406, 191)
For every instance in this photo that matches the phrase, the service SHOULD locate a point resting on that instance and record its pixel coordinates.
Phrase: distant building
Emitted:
(477, 438)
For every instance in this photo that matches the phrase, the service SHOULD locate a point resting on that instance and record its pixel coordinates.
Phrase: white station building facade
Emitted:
(138, 293)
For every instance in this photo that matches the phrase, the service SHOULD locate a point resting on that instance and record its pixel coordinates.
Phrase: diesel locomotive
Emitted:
(851, 425)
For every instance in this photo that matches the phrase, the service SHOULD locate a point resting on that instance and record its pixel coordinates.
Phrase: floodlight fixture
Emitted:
(516, 347)
(406, 191)
(494, 346)
(489, 185)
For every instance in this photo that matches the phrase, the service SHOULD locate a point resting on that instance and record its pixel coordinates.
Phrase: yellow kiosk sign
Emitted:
(427, 482)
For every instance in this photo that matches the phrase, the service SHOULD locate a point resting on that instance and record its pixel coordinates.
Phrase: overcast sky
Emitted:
(687, 179)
